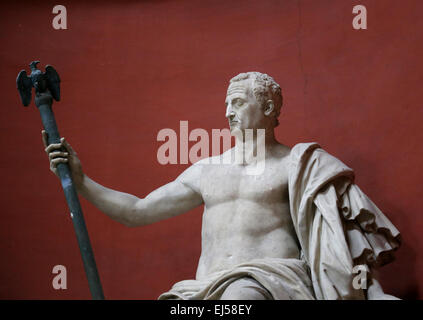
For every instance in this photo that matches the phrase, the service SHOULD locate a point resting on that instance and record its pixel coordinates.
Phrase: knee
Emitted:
(245, 289)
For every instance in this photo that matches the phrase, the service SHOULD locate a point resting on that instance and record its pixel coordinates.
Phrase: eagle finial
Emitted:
(40, 81)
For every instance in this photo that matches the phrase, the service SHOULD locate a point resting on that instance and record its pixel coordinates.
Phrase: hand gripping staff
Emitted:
(47, 87)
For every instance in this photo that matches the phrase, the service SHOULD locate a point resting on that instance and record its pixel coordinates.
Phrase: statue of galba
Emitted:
(301, 229)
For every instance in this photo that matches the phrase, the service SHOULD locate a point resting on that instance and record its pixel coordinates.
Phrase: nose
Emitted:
(229, 112)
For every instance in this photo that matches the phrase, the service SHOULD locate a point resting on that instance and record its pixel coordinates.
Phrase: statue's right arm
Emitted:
(174, 198)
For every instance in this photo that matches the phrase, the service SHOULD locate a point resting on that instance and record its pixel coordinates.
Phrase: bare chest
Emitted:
(226, 183)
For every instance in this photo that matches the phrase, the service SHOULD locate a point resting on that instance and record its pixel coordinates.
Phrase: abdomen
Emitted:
(241, 230)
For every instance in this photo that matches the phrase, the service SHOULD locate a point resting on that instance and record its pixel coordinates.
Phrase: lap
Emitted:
(246, 288)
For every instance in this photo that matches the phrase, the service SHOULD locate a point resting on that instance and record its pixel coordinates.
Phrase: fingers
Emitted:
(52, 147)
(56, 161)
(67, 146)
(55, 151)
(56, 154)
(57, 157)
(44, 136)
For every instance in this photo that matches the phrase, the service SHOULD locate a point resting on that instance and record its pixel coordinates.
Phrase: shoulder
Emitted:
(281, 151)
(302, 149)
(191, 176)
(310, 159)
(308, 151)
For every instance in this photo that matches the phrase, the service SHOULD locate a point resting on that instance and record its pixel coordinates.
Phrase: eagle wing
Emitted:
(53, 82)
(24, 84)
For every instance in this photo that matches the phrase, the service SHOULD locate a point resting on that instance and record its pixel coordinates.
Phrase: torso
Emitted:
(245, 216)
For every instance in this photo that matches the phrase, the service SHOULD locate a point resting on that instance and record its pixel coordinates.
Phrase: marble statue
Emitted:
(296, 231)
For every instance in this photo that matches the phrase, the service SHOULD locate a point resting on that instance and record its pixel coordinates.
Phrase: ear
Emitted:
(269, 107)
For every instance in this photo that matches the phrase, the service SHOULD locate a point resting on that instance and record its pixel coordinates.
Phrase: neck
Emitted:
(269, 137)
(255, 143)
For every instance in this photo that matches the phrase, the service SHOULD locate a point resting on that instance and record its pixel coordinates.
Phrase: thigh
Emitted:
(246, 288)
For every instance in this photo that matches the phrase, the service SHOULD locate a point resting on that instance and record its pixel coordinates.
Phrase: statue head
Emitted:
(253, 101)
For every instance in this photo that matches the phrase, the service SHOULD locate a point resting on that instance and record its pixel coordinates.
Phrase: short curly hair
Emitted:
(264, 89)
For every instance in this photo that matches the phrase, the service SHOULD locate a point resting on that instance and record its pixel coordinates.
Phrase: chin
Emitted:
(235, 129)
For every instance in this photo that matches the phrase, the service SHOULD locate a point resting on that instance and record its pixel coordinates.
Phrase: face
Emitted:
(242, 109)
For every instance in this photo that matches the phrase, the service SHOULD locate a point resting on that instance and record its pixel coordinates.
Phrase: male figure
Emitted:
(250, 246)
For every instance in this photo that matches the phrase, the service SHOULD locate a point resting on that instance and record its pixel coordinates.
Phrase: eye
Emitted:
(239, 102)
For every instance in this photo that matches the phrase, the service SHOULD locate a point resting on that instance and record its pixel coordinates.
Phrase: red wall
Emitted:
(129, 69)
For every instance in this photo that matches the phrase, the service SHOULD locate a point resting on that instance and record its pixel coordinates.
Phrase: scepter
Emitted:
(48, 83)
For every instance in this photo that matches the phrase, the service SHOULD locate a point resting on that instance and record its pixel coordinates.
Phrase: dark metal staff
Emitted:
(49, 82)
